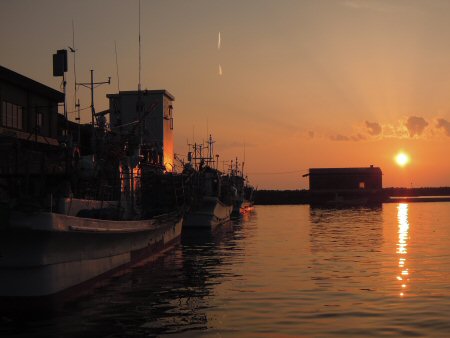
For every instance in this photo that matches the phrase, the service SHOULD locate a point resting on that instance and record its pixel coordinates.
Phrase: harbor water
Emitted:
(281, 271)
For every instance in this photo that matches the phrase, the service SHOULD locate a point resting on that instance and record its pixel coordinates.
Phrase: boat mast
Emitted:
(243, 162)
(140, 104)
(76, 100)
(117, 68)
(92, 85)
(139, 38)
(210, 159)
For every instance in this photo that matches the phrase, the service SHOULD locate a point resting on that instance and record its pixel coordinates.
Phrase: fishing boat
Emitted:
(212, 193)
(44, 253)
(76, 209)
(60, 241)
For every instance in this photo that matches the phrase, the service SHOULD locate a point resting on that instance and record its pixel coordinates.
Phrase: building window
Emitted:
(171, 116)
(38, 119)
(3, 113)
(9, 114)
(12, 115)
(19, 117)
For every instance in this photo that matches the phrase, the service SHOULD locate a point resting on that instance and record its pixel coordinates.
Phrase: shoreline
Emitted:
(389, 195)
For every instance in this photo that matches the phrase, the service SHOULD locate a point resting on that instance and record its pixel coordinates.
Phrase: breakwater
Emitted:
(391, 194)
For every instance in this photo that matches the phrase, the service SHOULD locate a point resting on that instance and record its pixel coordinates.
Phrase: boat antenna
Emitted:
(117, 67)
(73, 50)
(140, 104)
(139, 21)
(211, 150)
(243, 162)
(91, 86)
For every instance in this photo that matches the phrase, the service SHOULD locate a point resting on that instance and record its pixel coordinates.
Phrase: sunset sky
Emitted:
(313, 83)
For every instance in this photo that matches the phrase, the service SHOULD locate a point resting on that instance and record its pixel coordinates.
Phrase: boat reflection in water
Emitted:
(178, 293)
(402, 246)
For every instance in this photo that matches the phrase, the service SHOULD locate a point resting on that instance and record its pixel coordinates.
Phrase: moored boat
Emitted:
(212, 193)
(74, 209)
(209, 214)
(212, 200)
(44, 253)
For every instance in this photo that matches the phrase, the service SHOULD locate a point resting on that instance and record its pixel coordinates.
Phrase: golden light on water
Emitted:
(402, 245)
(402, 159)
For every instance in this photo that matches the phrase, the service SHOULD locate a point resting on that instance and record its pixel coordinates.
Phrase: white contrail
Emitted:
(219, 45)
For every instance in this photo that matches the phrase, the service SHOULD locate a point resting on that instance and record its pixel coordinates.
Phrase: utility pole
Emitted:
(91, 85)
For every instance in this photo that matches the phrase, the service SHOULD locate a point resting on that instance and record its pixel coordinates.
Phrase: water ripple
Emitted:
(285, 271)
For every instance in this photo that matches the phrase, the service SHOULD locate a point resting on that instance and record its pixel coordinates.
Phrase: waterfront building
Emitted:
(28, 109)
(358, 185)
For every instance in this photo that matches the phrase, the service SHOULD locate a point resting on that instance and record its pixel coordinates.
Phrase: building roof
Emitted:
(26, 83)
(344, 171)
(26, 136)
(144, 92)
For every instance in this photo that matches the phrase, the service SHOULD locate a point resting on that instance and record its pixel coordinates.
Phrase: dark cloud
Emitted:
(416, 125)
(358, 137)
(373, 128)
(444, 124)
(235, 144)
(340, 137)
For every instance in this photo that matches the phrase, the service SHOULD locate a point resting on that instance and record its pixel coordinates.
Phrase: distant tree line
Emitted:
(266, 197)
(440, 191)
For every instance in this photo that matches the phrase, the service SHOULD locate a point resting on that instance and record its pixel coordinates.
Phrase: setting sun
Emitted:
(402, 159)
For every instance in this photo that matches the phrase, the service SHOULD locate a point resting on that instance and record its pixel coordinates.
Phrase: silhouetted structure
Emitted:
(155, 109)
(345, 185)
(28, 108)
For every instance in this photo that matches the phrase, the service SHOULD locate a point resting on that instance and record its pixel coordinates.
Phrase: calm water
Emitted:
(284, 271)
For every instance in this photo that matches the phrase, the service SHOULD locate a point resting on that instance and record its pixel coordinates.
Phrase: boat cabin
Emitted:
(156, 110)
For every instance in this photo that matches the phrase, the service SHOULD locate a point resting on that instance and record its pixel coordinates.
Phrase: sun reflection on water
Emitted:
(402, 245)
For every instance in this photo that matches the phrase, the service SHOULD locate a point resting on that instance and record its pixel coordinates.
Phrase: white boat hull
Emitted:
(43, 254)
(210, 214)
